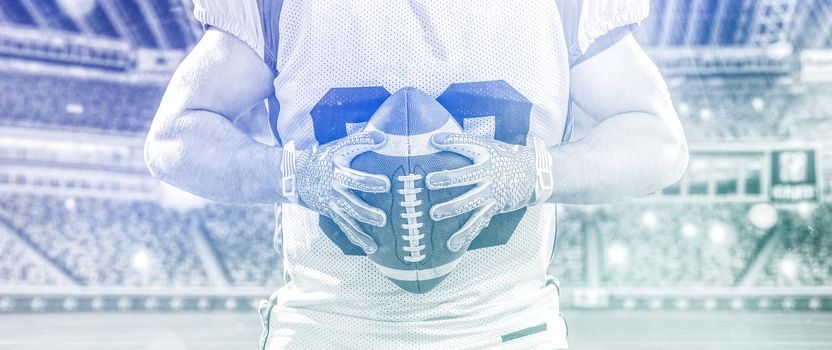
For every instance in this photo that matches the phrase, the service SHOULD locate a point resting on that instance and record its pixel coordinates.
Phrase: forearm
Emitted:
(623, 157)
(205, 154)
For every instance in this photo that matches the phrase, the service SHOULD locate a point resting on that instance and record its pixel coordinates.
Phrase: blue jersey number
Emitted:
(341, 107)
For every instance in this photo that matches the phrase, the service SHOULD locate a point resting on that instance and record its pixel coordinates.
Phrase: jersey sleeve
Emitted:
(591, 26)
(241, 18)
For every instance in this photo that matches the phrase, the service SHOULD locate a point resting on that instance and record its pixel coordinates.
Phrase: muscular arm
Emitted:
(192, 143)
(637, 148)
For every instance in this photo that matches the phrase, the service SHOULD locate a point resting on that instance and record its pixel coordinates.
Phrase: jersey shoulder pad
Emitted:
(241, 18)
(587, 21)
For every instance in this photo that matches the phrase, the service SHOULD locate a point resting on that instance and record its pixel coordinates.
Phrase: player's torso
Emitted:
(501, 69)
(337, 60)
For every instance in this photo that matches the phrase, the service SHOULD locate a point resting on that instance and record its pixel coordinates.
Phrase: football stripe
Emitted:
(418, 275)
(419, 145)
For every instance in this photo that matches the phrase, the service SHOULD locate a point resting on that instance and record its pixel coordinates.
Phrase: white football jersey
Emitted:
(501, 68)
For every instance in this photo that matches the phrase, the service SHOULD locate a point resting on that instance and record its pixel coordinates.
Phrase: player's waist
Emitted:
(522, 323)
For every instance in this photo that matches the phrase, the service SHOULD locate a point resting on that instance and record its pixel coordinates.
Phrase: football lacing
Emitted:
(414, 236)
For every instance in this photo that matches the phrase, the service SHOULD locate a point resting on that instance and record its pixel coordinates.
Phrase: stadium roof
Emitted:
(696, 23)
(156, 24)
(168, 23)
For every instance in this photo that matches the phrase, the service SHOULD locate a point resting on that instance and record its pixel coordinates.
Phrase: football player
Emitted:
(507, 71)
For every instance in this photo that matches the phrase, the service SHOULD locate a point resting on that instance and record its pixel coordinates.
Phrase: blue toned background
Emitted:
(94, 253)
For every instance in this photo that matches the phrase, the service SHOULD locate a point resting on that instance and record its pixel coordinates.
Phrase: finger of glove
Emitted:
(361, 181)
(468, 146)
(351, 146)
(353, 231)
(464, 203)
(358, 209)
(478, 221)
(467, 175)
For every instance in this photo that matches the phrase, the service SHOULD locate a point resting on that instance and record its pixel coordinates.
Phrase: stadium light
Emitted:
(718, 233)
(683, 109)
(230, 304)
(737, 304)
(705, 114)
(689, 230)
(141, 260)
(710, 304)
(815, 303)
(70, 304)
(788, 267)
(656, 304)
(74, 108)
(202, 304)
(648, 218)
(97, 304)
(780, 50)
(618, 254)
(124, 303)
(805, 210)
(177, 304)
(758, 104)
(763, 303)
(77, 9)
(37, 304)
(151, 303)
(763, 216)
(70, 204)
(6, 304)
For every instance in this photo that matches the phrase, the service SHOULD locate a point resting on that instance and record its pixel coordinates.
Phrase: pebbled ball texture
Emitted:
(412, 248)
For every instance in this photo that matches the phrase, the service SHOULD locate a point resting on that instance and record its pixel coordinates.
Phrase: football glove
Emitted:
(505, 177)
(321, 180)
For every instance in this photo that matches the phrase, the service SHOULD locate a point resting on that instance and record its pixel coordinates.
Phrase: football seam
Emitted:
(411, 201)
(411, 216)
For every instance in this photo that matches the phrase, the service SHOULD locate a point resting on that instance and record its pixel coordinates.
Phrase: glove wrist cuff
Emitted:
(288, 168)
(545, 184)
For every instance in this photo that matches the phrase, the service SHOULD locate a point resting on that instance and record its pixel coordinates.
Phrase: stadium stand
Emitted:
(801, 258)
(242, 238)
(568, 261)
(17, 267)
(29, 100)
(110, 242)
(104, 242)
(717, 110)
(679, 245)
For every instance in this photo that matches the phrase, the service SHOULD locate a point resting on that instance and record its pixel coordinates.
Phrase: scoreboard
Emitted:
(785, 173)
(794, 176)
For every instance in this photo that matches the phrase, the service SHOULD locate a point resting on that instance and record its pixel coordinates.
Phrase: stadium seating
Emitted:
(674, 244)
(108, 242)
(242, 237)
(568, 260)
(802, 255)
(730, 113)
(67, 103)
(17, 266)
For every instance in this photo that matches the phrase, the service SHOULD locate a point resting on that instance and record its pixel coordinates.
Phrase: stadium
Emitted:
(95, 253)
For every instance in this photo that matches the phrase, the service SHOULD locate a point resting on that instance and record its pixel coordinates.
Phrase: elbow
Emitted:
(680, 164)
(152, 156)
(157, 153)
(678, 156)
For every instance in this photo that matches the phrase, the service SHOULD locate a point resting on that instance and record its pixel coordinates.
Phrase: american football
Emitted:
(412, 249)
